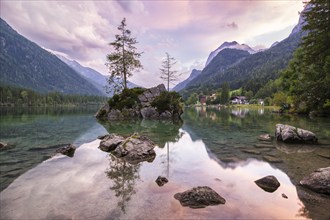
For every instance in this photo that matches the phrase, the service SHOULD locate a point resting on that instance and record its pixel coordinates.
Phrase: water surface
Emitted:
(35, 133)
(218, 148)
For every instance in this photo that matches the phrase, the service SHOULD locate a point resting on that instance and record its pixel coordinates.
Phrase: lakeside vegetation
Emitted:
(13, 96)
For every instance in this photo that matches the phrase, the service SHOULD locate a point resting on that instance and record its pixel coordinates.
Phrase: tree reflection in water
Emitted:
(123, 176)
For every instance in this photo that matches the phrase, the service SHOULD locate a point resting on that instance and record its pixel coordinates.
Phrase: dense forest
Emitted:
(12, 96)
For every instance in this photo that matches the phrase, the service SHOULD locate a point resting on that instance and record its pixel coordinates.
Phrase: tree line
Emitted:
(10, 96)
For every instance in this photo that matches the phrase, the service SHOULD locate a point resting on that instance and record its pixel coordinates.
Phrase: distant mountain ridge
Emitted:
(96, 78)
(194, 73)
(25, 64)
(251, 70)
(229, 45)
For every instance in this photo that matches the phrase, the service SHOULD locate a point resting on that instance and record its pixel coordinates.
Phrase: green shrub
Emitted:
(127, 99)
(168, 101)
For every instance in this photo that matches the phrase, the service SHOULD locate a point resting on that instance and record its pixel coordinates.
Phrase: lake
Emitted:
(211, 147)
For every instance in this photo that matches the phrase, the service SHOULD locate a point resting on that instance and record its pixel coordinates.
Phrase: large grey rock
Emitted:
(165, 115)
(290, 134)
(157, 90)
(135, 149)
(115, 114)
(268, 183)
(130, 113)
(110, 142)
(102, 111)
(318, 181)
(149, 113)
(199, 197)
(316, 204)
(142, 98)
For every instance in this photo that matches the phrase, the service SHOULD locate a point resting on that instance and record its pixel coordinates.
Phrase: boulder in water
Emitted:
(199, 197)
(290, 134)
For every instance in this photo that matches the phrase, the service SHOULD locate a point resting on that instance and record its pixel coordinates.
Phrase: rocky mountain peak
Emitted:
(230, 45)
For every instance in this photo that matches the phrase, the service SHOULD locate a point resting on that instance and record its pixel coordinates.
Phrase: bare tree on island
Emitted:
(167, 73)
(124, 58)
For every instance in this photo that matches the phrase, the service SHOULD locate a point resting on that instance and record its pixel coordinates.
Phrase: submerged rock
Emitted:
(318, 181)
(251, 151)
(265, 137)
(272, 159)
(199, 197)
(290, 134)
(67, 150)
(4, 146)
(161, 180)
(284, 196)
(268, 183)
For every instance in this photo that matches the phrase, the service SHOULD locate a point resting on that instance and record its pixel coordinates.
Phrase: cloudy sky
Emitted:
(187, 30)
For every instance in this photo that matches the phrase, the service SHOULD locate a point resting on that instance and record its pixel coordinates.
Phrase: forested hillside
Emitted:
(248, 71)
(25, 64)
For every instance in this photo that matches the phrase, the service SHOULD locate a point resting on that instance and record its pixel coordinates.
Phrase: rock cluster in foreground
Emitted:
(199, 197)
(134, 149)
(318, 181)
(290, 134)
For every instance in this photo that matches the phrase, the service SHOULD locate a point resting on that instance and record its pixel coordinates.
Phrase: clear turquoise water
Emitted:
(214, 147)
(35, 133)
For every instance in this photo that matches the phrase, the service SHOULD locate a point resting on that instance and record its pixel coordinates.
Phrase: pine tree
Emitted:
(224, 98)
(167, 73)
(125, 58)
(307, 77)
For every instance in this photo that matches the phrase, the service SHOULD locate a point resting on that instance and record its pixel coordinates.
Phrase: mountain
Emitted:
(25, 64)
(182, 85)
(251, 72)
(301, 22)
(274, 44)
(229, 45)
(96, 78)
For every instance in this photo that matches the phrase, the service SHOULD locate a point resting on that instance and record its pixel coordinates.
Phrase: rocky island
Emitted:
(152, 103)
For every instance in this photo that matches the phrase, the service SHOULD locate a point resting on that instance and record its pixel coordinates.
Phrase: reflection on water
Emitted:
(213, 147)
(94, 185)
(158, 131)
(123, 176)
(35, 133)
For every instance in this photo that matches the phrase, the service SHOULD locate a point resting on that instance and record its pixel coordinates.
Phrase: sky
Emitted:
(187, 30)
